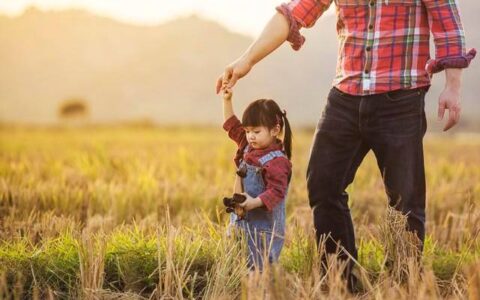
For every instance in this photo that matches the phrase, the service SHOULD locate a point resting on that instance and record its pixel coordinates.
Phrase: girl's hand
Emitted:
(251, 203)
(227, 93)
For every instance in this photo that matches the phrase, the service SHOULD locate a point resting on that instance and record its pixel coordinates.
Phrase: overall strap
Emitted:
(269, 156)
(245, 150)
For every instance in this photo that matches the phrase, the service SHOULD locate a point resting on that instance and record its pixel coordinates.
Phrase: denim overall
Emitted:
(263, 230)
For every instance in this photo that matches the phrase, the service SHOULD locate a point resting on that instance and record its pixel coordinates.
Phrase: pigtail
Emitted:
(287, 138)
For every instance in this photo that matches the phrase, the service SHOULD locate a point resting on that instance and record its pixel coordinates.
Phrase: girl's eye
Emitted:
(256, 132)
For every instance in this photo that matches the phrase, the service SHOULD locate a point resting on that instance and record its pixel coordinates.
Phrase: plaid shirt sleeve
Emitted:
(302, 13)
(276, 176)
(235, 131)
(448, 36)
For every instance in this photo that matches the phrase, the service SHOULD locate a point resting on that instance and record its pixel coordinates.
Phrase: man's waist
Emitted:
(373, 86)
(398, 92)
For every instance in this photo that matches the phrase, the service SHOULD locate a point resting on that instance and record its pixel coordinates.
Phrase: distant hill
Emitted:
(166, 73)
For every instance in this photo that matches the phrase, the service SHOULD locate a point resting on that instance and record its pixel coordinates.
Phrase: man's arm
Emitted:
(450, 55)
(283, 26)
(272, 36)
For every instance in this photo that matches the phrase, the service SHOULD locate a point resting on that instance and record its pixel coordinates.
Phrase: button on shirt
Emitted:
(384, 44)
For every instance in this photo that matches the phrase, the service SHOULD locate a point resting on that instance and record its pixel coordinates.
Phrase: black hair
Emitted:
(266, 112)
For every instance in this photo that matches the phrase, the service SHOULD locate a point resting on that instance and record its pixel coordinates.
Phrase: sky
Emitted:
(244, 16)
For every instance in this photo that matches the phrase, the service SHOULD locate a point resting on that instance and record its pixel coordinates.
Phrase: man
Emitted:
(377, 102)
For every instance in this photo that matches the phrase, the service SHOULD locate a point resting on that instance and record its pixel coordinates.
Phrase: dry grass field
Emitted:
(136, 213)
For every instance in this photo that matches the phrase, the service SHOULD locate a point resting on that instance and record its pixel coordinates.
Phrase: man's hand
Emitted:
(233, 72)
(251, 203)
(450, 98)
(273, 35)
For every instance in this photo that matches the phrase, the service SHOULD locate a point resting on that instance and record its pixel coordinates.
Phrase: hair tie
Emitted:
(279, 117)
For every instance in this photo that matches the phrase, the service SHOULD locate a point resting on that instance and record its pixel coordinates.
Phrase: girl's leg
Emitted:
(263, 246)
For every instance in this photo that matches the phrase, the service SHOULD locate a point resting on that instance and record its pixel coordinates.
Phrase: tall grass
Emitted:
(136, 213)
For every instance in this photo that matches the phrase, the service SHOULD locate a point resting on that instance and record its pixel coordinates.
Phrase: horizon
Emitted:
(136, 76)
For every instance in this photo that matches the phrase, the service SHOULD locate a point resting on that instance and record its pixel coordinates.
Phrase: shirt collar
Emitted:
(277, 145)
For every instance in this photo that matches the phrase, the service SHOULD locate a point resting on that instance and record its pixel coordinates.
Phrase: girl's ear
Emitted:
(275, 130)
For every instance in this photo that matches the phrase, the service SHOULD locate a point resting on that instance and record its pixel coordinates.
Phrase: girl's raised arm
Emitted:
(227, 104)
(232, 125)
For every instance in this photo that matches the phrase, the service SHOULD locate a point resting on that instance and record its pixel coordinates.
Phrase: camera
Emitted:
(232, 204)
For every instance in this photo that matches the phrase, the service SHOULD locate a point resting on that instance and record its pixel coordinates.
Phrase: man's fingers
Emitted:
(441, 110)
(458, 111)
(223, 79)
(452, 119)
(227, 75)
(232, 80)
(449, 100)
(449, 125)
(219, 84)
(222, 82)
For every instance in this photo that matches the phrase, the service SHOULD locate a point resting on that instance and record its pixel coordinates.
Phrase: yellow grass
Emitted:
(137, 212)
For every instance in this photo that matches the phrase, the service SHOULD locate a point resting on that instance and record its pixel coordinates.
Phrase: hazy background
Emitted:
(157, 61)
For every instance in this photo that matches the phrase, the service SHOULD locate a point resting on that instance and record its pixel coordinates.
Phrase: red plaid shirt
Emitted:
(275, 173)
(384, 44)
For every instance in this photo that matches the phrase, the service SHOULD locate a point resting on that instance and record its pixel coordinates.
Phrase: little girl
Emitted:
(263, 175)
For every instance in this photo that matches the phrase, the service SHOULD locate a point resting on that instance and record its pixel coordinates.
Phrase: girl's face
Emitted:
(260, 137)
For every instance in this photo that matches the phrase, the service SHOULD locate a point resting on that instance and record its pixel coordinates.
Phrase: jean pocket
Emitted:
(338, 93)
(400, 95)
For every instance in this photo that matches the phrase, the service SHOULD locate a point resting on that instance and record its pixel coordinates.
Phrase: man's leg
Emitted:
(396, 134)
(336, 153)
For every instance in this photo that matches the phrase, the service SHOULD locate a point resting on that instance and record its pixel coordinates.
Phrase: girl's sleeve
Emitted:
(235, 131)
(277, 175)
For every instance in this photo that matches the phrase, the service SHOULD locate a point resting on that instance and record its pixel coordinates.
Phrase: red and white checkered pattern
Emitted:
(384, 44)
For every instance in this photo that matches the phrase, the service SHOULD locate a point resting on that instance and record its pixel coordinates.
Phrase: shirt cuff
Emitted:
(457, 62)
(294, 37)
(266, 201)
(230, 123)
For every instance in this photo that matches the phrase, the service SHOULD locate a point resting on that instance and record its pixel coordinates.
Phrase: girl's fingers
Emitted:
(227, 92)
(224, 87)
(244, 203)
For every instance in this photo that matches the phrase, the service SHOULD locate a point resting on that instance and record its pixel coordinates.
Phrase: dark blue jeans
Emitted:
(392, 125)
